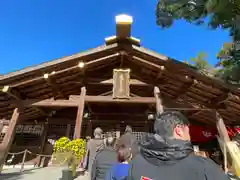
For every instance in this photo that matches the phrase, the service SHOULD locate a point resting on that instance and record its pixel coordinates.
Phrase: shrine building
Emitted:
(110, 86)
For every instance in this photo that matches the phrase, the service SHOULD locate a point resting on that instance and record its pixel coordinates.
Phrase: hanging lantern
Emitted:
(151, 116)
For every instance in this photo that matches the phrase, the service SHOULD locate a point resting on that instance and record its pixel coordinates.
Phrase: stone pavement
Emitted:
(48, 173)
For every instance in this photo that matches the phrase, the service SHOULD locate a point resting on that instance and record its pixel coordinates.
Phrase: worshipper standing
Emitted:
(93, 146)
(128, 140)
(85, 160)
(168, 154)
(119, 171)
(104, 159)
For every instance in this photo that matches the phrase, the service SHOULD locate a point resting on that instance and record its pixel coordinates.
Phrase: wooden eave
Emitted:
(177, 81)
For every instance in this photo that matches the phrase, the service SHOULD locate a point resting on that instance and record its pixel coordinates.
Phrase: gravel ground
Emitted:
(48, 173)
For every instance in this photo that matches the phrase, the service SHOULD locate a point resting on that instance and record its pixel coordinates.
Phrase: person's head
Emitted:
(97, 133)
(124, 154)
(172, 124)
(110, 140)
(128, 129)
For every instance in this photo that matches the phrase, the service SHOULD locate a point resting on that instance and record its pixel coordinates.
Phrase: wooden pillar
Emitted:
(43, 141)
(89, 129)
(78, 124)
(159, 105)
(68, 131)
(9, 137)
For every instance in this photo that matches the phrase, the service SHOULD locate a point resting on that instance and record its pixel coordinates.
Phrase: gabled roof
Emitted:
(177, 81)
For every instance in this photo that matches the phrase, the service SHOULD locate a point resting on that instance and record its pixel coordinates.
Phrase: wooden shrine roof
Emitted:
(178, 82)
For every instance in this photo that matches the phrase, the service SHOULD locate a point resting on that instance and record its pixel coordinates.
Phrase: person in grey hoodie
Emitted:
(104, 159)
(93, 146)
(128, 140)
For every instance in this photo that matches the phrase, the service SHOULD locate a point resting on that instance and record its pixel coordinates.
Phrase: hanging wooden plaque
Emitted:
(121, 83)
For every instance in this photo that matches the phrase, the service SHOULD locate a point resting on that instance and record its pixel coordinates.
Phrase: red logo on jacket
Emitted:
(145, 178)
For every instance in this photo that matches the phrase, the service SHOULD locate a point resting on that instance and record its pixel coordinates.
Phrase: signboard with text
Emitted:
(121, 83)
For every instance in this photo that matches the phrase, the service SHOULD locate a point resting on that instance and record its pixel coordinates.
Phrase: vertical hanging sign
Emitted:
(121, 83)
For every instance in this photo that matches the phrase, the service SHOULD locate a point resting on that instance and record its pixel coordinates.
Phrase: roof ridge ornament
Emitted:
(123, 31)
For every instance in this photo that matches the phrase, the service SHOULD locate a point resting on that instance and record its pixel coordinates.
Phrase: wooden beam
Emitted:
(9, 136)
(78, 125)
(159, 103)
(13, 92)
(55, 88)
(127, 121)
(48, 103)
(190, 83)
(220, 99)
(161, 73)
(118, 116)
(148, 63)
(214, 103)
(133, 82)
(109, 99)
(108, 93)
(88, 64)
(67, 121)
(73, 101)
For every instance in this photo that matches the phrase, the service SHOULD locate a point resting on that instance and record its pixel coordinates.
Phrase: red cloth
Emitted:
(204, 134)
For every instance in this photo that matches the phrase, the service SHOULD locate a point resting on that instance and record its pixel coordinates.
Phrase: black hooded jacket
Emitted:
(104, 160)
(171, 159)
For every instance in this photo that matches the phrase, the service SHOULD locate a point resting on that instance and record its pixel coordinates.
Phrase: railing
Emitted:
(37, 161)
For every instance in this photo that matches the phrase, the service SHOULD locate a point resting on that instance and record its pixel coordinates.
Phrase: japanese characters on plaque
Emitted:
(121, 83)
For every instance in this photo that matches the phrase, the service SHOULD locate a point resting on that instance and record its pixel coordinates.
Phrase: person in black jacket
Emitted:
(168, 154)
(128, 140)
(104, 159)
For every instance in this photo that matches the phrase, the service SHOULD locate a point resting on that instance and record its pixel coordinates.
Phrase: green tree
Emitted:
(200, 63)
(223, 14)
(229, 67)
(215, 13)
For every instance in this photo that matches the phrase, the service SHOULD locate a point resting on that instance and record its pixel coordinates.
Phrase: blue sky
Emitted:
(35, 31)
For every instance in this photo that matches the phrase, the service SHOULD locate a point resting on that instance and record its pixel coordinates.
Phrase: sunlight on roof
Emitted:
(81, 64)
(124, 19)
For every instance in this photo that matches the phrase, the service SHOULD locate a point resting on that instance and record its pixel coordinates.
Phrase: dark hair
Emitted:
(123, 154)
(166, 122)
(128, 129)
